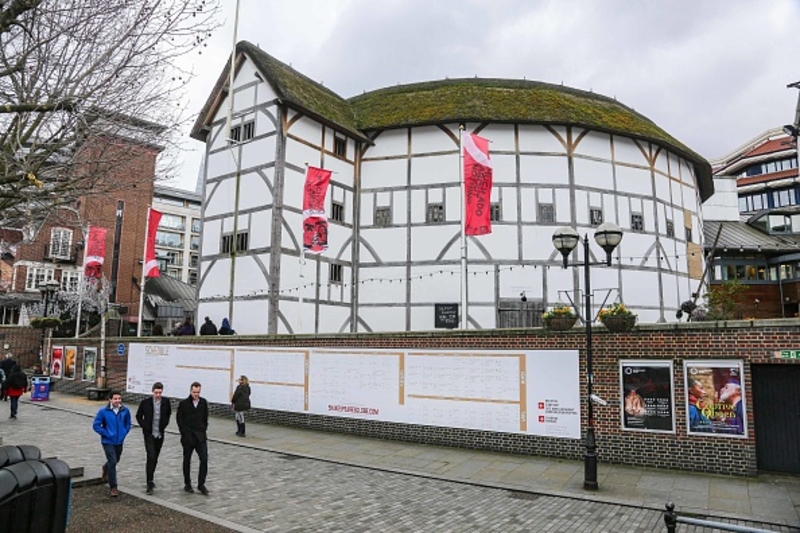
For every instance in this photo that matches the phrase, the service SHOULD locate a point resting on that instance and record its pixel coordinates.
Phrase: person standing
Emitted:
(208, 328)
(16, 385)
(193, 423)
(6, 365)
(112, 423)
(226, 328)
(240, 401)
(153, 417)
(187, 328)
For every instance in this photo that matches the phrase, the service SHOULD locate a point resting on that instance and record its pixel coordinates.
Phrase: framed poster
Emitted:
(647, 396)
(89, 363)
(57, 358)
(715, 398)
(70, 361)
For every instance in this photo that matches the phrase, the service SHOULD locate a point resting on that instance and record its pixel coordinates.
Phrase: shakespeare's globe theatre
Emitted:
(561, 157)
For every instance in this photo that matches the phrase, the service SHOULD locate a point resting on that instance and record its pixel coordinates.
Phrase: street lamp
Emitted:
(565, 239)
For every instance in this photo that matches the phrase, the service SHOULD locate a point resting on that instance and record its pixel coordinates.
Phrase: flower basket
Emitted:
(44, 322)
(561, 323)
(619, 324)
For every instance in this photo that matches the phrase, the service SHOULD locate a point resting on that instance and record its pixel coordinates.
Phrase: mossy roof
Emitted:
(456, 100)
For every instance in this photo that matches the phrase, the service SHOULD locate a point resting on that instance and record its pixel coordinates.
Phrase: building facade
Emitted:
(178, 235)
(561, 157)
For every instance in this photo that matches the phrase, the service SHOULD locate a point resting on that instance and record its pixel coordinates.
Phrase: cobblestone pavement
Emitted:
(257, 490)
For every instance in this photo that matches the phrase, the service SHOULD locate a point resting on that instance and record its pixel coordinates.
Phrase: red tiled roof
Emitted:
(773, 145)
(762, 178)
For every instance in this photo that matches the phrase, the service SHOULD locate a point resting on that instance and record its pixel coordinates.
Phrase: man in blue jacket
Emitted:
(112, 423)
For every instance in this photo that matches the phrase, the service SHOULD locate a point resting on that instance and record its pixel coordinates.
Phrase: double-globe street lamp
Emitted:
(565, 239)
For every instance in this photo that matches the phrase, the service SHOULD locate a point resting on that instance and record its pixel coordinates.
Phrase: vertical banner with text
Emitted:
(315, 222)
(477, 185)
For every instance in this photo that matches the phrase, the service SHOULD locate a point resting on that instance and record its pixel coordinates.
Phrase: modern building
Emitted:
(561, 157)
(178, 236)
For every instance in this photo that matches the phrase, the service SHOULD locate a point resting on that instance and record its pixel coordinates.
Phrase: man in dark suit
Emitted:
(193, 424)
(153, 417)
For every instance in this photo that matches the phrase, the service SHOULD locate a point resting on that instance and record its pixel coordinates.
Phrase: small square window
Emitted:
(637, 222)
(670, 229)
(248, 130)
(340, 146)
(595, 216)
(688, 234)
(336, 273)
(547, 213)
(227, 244)
(236, 134)
(435, 213)
(496, 214)
(383, 216)
(337, 212)
(242, 241)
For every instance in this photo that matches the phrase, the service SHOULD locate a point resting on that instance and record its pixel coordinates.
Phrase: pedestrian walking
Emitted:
(16, 385)
(240, 402)
(6, 365)
(153, 417)
(208, 328)
(193, 423)
(112, 423)
(226, 328)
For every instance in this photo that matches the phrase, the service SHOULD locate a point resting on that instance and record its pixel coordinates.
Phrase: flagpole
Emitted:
(302, 285)
(464, 310)
(144, 272)
(82, 282)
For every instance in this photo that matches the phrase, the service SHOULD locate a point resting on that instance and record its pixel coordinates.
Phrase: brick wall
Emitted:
(751, 341)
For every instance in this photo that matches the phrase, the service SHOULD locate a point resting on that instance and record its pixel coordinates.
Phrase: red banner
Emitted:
(477, 185)
(95, 253)
(150, 262)
(315, 223)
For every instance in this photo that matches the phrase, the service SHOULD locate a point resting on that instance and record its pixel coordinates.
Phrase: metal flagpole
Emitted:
(81, 283)
(464, 311)
(302, 286)
(144, 273)
(237, 184)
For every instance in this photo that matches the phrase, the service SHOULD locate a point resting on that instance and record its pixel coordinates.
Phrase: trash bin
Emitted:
(40, 389)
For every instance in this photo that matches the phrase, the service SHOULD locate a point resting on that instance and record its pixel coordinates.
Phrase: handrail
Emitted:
(671, 520)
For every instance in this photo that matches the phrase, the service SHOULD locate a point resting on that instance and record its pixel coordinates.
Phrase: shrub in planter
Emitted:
(559, 318)
(617, 317)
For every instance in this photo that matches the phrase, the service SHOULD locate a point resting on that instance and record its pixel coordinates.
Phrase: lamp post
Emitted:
(565, 239)
(48, 290)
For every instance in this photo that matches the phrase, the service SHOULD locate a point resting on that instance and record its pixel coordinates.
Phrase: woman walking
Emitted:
(17, 384)
(241, 403)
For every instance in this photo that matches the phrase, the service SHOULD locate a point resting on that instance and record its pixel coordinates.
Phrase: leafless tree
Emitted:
(85, 87)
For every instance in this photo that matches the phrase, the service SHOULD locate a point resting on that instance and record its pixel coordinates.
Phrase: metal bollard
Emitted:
(670, 518)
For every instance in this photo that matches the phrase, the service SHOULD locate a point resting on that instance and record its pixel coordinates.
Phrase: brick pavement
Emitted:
(253, 489)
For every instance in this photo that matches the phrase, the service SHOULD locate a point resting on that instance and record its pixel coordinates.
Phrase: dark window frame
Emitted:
(595, 216)
(337, 211)
(434, 213)
(547, 213)
(383, 216)
(637, 222)
(335, 273)
(340, 146)
(496, 212)
(248, 130)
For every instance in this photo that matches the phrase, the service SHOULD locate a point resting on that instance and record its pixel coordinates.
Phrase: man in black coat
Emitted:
(153, 417)
(193, 423)
(208, 328)
(6, 365)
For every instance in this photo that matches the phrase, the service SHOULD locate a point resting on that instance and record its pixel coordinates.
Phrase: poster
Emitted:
(89, 363)
(70, 361)
(57, 358)
(647, 396)
(715, 398)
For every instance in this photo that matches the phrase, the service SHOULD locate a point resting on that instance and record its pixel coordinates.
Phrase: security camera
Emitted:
(598, 400)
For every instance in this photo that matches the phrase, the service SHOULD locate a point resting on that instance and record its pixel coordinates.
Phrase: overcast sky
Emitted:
(712, 73)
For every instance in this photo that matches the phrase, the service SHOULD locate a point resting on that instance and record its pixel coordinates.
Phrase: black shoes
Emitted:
(188, 488)
(203, 490)
(150, 487)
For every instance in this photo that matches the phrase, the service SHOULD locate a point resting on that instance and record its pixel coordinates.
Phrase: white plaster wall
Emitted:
(250, 317)
(249, 279)
(333, 318)
(257, 152)
(428, 139)
(261, 221)
(253, 191)
(209, 244)
(633, 180)
(724, 203)
(388, 243)
(383, 318)
(382, 285)
(383, 173)
(435, 169)
(540, 139)
(595, 174)
(542, 169)
(662, 160)
(626, 151)
(388, 143)
(504, 167)
(594, 144)
(217, 282)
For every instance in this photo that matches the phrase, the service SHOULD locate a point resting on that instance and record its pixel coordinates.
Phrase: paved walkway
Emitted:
(629, 499)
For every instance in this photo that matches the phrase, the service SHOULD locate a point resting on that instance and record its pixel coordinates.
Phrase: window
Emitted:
(195, 243)
(174, 258)
(70, 281)
(194, 260)
(227, 244)
(688, 234)
(670, 229)
(248, 130)
(783, 198)
(337, 211)
(495, 215)
(242, 242)
(547, 213)
(336, 273)
(595, 216)
(60, 243)
(193, 277)
(174, 273)
(340, 146)
(36, 276)
(435, 213)
(637, 222)
(383, 216)
(236, 134)
(172, 222)
(166, 238)
(195, 225)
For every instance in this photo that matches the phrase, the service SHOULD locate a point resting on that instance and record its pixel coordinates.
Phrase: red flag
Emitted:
(150, 262)
(315, 223)
(477, 185)
(95, 253)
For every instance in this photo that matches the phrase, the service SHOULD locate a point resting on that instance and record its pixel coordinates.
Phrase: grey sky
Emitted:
(712, 73)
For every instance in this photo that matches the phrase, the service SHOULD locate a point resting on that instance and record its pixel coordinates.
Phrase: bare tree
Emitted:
(85, 86)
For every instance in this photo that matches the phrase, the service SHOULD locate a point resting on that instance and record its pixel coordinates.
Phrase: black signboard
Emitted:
(446, 315)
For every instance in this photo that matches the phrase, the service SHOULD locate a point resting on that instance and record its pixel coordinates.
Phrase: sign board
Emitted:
(535, 392)
(647, 396)
(786, 354)
(445, 316)
(120, 349)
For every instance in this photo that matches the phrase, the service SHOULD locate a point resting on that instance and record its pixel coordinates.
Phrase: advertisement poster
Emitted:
(70, 360)
(89, 363)
(647, 396)
(715, 398)
(57, 365)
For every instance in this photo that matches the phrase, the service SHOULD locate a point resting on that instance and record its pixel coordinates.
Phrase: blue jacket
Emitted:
(112, 428)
